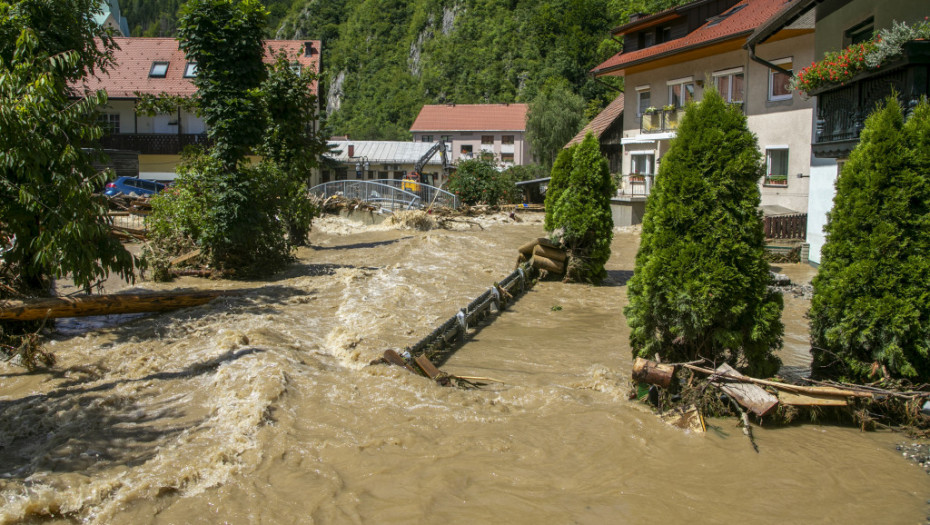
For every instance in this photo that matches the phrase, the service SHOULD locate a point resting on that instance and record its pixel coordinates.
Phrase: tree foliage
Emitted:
(559, 176)
(582, 218)
(50, 222)
(477, 181)
(554, 117)
(701, 285)
(871, 299)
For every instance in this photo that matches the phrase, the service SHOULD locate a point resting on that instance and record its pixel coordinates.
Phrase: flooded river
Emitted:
(261, 408)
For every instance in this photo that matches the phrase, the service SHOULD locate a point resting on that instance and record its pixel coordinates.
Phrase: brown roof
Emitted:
(471, 117)
(744, 17)
(135, 56)
(601, 122)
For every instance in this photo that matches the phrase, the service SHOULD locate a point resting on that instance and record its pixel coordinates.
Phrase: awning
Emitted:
(647, 139)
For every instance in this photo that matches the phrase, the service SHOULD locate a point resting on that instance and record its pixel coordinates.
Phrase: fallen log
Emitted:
(543, 263)
(555, 254)
(51, 308)
(751, 396)
(826, 391)
(646, 371)
(184, 258)
(809, 400)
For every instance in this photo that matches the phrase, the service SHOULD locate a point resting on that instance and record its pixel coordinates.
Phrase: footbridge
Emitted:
(388, 193)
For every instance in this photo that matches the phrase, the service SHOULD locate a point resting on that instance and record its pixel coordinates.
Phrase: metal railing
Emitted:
(388, 193)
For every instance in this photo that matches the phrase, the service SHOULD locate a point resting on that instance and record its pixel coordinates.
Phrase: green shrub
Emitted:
(701, 284)
(582, 217)
(478, 182)
(871, 299)
(561, 172)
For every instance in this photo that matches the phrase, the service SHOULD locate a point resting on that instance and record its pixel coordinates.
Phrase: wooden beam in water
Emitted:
(55, 307)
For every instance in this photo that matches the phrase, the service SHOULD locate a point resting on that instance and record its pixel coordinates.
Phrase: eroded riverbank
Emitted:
(262, 408)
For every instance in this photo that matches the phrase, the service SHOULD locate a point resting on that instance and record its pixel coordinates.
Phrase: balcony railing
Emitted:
(842, 109)
(153, 143)
(661, 120)
(635, 185)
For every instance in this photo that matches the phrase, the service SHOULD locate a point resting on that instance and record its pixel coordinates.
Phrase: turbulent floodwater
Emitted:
(261, 408)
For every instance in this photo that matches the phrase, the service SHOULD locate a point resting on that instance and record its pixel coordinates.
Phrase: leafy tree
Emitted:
(871, 299)
(554, 117)
(561, 172)
(291, 143)
(224, 38)
(582, 217)
(50, 222)
(701, 286)
(477, 181)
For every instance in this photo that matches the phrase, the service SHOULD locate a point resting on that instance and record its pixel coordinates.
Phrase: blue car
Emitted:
(127, 185)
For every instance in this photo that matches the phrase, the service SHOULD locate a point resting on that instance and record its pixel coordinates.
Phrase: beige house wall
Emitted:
(832, 27)
(786, 123)
(519, 148)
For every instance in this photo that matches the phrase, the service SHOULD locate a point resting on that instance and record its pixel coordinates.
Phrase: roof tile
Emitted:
(471, 117)
(601, 122)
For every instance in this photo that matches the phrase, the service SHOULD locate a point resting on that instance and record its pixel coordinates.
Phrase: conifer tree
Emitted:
(561, 171)
(701, 285)
(871, 299)
(582, 216)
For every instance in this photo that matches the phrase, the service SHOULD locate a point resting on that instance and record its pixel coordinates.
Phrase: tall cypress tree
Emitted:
(582, 213)
(701, 285)
(561, 172)
(871, 299)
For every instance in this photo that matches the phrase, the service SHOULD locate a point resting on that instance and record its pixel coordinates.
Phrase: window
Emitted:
(426, 138)
(644, 100)
(778, 81)
(663, 34)
(680, 92)
(159, 70)
(325, 175)
(776, 167)
(507, 157)
(720, 18)
(646, 39)
(190, 71)
(642, 163)
(466, 149)
(445, 138)
(859, 33)
(371, 174)
(729, 84)
(507, 139)
(109, 122)
(487, 140)
(382, 175)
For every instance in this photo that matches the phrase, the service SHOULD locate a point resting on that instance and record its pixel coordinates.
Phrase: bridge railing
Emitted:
(388, 193)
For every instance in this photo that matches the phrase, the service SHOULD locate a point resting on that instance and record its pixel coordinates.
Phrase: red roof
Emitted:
(135, 56)
(743, 18)
(471, 117)
(601, 122)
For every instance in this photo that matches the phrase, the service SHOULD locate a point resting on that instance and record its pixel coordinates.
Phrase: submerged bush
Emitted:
(871, 303)
(701, 284)
(582, 219)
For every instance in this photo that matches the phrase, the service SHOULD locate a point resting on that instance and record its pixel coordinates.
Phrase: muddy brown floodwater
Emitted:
(261, 408)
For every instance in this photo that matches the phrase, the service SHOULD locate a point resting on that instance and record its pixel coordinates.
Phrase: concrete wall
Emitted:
(627, 212)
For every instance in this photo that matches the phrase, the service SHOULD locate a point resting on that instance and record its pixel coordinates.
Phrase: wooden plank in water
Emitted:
(427, 366)
(753, 397)
(808, 400)
(394, 358)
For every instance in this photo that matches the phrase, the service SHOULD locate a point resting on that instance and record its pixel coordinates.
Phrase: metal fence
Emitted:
(388, 193)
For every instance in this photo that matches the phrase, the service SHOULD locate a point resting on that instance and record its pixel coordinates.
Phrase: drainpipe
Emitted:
(764, 62)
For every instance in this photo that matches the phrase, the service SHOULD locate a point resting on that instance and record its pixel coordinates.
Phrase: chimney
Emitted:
(636, 16)
(351, 150)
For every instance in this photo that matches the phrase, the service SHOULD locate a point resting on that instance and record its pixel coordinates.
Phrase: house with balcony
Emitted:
(493, 131)
(841, 109)
(157, 67)
(671, 57)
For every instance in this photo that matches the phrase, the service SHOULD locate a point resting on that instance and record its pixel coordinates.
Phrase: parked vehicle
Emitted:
(127, 185)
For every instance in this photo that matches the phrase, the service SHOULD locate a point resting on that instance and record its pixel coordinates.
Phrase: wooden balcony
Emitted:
(153, 143)
(842, 109)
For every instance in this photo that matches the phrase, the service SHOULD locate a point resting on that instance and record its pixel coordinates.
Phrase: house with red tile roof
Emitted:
(607, 128)
(671, 57)
(156, 66)
(496, 130)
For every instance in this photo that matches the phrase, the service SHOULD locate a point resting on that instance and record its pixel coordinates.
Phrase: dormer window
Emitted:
(190, 71)
(159, 70)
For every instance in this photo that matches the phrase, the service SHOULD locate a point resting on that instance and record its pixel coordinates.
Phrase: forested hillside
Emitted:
(384, 59)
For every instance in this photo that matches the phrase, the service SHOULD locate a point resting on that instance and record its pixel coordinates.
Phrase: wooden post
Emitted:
(646, 371)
